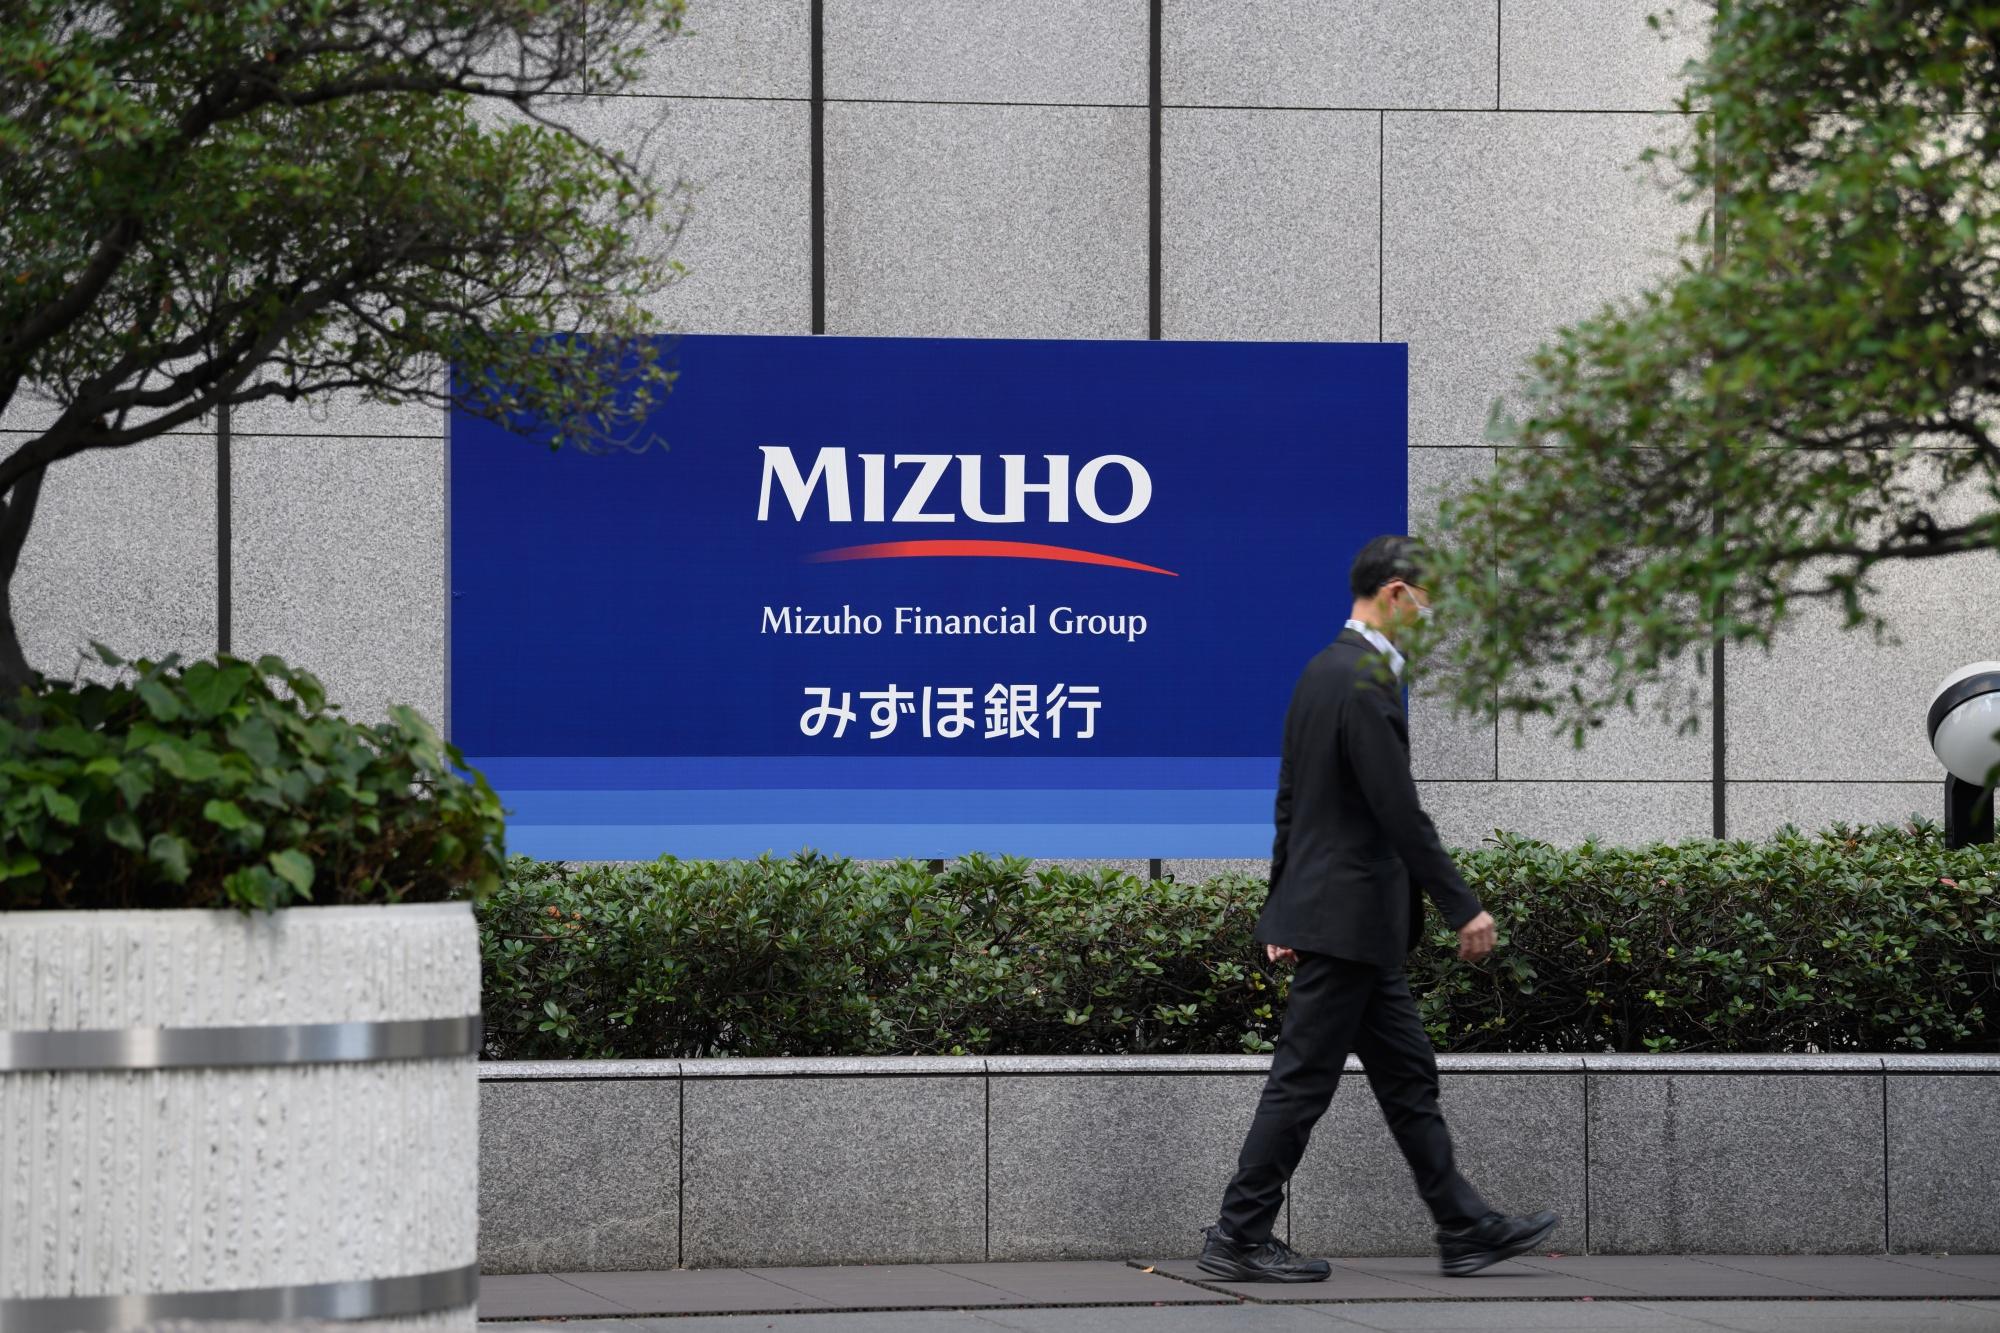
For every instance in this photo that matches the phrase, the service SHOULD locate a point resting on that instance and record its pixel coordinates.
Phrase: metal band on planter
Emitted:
(363, 1298)
(218, 1048)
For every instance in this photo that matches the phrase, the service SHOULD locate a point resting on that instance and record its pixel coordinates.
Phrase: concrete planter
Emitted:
(605, 1165)
(208, 1115)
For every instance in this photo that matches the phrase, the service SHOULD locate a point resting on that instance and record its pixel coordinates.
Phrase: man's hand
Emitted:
(1279, 954)
(1475, 938)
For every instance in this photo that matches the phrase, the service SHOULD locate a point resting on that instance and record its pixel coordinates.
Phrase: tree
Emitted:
(206, 203)
(1814, 392)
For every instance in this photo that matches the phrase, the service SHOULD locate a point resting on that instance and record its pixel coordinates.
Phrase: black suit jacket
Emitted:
(1354, 846)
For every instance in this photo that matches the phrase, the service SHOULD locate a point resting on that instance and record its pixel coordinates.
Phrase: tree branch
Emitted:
(235, 94)
(21, 341)
(19, 516)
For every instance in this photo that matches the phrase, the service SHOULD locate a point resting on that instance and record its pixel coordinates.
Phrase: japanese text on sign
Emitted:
(949, 711)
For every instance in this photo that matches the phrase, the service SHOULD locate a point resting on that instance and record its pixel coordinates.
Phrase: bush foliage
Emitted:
(1875, 939)
(223, 784)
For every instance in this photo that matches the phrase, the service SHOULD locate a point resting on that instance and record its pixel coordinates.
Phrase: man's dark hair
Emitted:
(1385, 558)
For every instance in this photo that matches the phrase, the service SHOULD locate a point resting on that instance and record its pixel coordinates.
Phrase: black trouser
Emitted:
(1338, 1006)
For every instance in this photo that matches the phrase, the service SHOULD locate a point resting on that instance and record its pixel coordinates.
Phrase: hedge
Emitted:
(1853, 939)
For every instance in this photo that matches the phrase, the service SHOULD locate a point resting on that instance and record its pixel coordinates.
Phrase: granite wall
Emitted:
(606, 1165)
(1456, 174)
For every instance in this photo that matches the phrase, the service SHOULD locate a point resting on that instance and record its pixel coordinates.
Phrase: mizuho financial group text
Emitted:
(924, 499)
(915, 620)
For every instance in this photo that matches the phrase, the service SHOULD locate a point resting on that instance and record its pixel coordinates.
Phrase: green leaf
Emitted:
(254, 888)
(310, 693)
(69, 738)
(122, 829)
(187, 762)
(61, 807)
(133, 783)
(227, 814)
(170, 852)
(213, 690)
(295, 868)
(159, 700)
(256, 737)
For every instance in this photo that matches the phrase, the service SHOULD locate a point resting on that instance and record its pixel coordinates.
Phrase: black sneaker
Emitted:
(1273, 1261)
(1489, 1240)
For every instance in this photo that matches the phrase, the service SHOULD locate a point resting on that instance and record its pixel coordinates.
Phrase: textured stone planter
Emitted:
(207, 1115)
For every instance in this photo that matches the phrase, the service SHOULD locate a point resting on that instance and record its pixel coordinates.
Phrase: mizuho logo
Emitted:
(922, 494)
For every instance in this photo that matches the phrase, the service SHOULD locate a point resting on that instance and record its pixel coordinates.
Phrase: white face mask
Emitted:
(1423, 612)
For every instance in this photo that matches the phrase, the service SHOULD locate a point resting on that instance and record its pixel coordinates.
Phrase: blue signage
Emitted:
(919, 597)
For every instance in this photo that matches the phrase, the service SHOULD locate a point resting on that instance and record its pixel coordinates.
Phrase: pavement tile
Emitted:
(1860, 1275)
(1082, 1283)
(1584, 1316)
(1673, 1277)
(1836, 1316)
(1346, 1283)
(1824, 1316)
(1230, 1318)
(1985, 1266)
(878, 1321)
(588, 1325)
(1510, 1280)
(887, 1286)
(539, 1296)
(682, 1291)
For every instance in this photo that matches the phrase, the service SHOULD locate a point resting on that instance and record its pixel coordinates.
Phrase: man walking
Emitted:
(1353, 850)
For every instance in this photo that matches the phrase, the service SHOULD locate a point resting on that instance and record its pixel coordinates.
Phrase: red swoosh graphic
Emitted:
(1005, 550)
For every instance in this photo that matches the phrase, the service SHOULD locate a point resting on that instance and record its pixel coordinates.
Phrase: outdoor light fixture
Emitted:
(1964, 717)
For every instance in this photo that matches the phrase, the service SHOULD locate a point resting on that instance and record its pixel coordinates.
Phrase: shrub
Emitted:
(816, 956)
(1849, 940)
(224, 784)
(1853, 939)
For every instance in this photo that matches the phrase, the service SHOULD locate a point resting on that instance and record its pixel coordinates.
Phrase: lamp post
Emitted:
(1963, 719)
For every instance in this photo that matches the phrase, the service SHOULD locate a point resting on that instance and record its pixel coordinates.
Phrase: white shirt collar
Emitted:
(1380, 643)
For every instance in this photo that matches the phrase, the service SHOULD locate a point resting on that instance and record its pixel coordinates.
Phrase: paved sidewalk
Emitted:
(1399, 1317)
(1802, 1294)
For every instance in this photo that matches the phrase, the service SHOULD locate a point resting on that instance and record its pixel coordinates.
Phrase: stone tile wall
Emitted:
(609, 1165)
(1456, 174)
